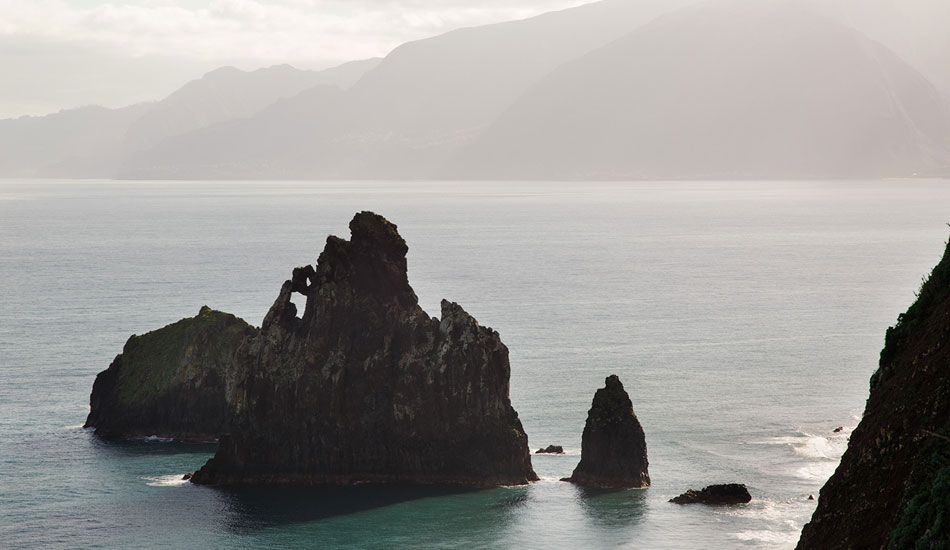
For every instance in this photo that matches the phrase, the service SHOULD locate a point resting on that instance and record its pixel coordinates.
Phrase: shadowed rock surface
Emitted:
(613, 447)
(729, 493)
(364, 386)
(892, 487)
(170, 382)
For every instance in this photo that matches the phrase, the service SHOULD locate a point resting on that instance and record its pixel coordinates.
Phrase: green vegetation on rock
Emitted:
(172, 381)
(172, 355)
(924, 520)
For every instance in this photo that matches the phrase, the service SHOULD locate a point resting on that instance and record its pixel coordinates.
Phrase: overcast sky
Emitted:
(57, 54)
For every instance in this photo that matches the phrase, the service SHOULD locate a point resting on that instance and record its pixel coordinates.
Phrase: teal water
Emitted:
(744, 319)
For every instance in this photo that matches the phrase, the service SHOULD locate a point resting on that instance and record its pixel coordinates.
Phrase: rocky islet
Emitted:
(613, 445)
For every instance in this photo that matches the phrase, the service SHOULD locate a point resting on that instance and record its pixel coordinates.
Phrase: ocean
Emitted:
(744, 319)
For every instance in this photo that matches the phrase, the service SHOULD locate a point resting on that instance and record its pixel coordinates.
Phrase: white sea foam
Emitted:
(172, 480)
(156, 438)
(816, 446)
(778, 538)
(783, 532)
(817, 471)
(549, 479)
(807, 445)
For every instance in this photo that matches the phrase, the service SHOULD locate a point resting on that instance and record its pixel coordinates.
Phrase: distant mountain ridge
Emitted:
(423, 102)
(617, 89)
(229, 93)
(95, 141)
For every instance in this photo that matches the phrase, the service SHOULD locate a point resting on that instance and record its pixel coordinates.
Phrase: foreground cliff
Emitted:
(892, 488)
(364, 386)
(170, 382)
(613, 446)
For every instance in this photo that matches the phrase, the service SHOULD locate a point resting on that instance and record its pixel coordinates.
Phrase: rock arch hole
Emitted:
(300, 302)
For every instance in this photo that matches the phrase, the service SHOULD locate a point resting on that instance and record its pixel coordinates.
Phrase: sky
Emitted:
(59, 54)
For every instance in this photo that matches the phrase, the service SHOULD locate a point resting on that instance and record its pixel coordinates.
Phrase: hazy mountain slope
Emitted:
(727, 89)
(916, 30)
(82, 142)
(93, 141)
(228, 93)
(458, 81)
(346, 75)
(428, 97)
(257, 147)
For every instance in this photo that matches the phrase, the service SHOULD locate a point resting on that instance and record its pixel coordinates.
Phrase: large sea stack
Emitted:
(892, 488)
(170, 382)
(363, 385)
(613, 447)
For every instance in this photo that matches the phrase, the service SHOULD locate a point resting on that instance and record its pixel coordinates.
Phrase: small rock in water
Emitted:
(551, 449)
(186, 477)
(838, 429)
(811, 497)
(730, 493)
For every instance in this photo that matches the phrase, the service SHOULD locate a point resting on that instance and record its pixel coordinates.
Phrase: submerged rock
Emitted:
(170, 382)
(613, 447)
(551, 449)
(892, 487)
(729, 493)
(364, 386)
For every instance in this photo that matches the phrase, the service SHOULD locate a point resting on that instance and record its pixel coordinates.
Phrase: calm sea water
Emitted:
(744, 319)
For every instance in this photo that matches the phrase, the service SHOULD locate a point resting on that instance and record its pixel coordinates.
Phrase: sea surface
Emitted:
(744, 319)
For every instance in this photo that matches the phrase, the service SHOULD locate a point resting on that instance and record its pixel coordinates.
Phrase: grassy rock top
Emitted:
(176, 353)
(172, 381)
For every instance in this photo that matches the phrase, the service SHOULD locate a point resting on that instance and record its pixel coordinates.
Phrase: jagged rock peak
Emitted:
(372, 232)
(365, 386)
(373, 262)
(613, 446)
(371, 265)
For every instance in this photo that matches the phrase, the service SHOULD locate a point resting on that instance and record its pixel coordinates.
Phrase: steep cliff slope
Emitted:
(171, 381)
(892, 488)
(364, 386)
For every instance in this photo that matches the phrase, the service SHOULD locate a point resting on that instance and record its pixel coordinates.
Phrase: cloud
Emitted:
(277, 31)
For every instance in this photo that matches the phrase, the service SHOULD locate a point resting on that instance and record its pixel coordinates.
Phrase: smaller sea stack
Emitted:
(613, 447)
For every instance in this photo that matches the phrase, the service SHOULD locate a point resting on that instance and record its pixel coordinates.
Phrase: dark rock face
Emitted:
(892, 487)
(613, 447)
(170, 382)
(365, 386)
(551, 450)
(730, 493)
